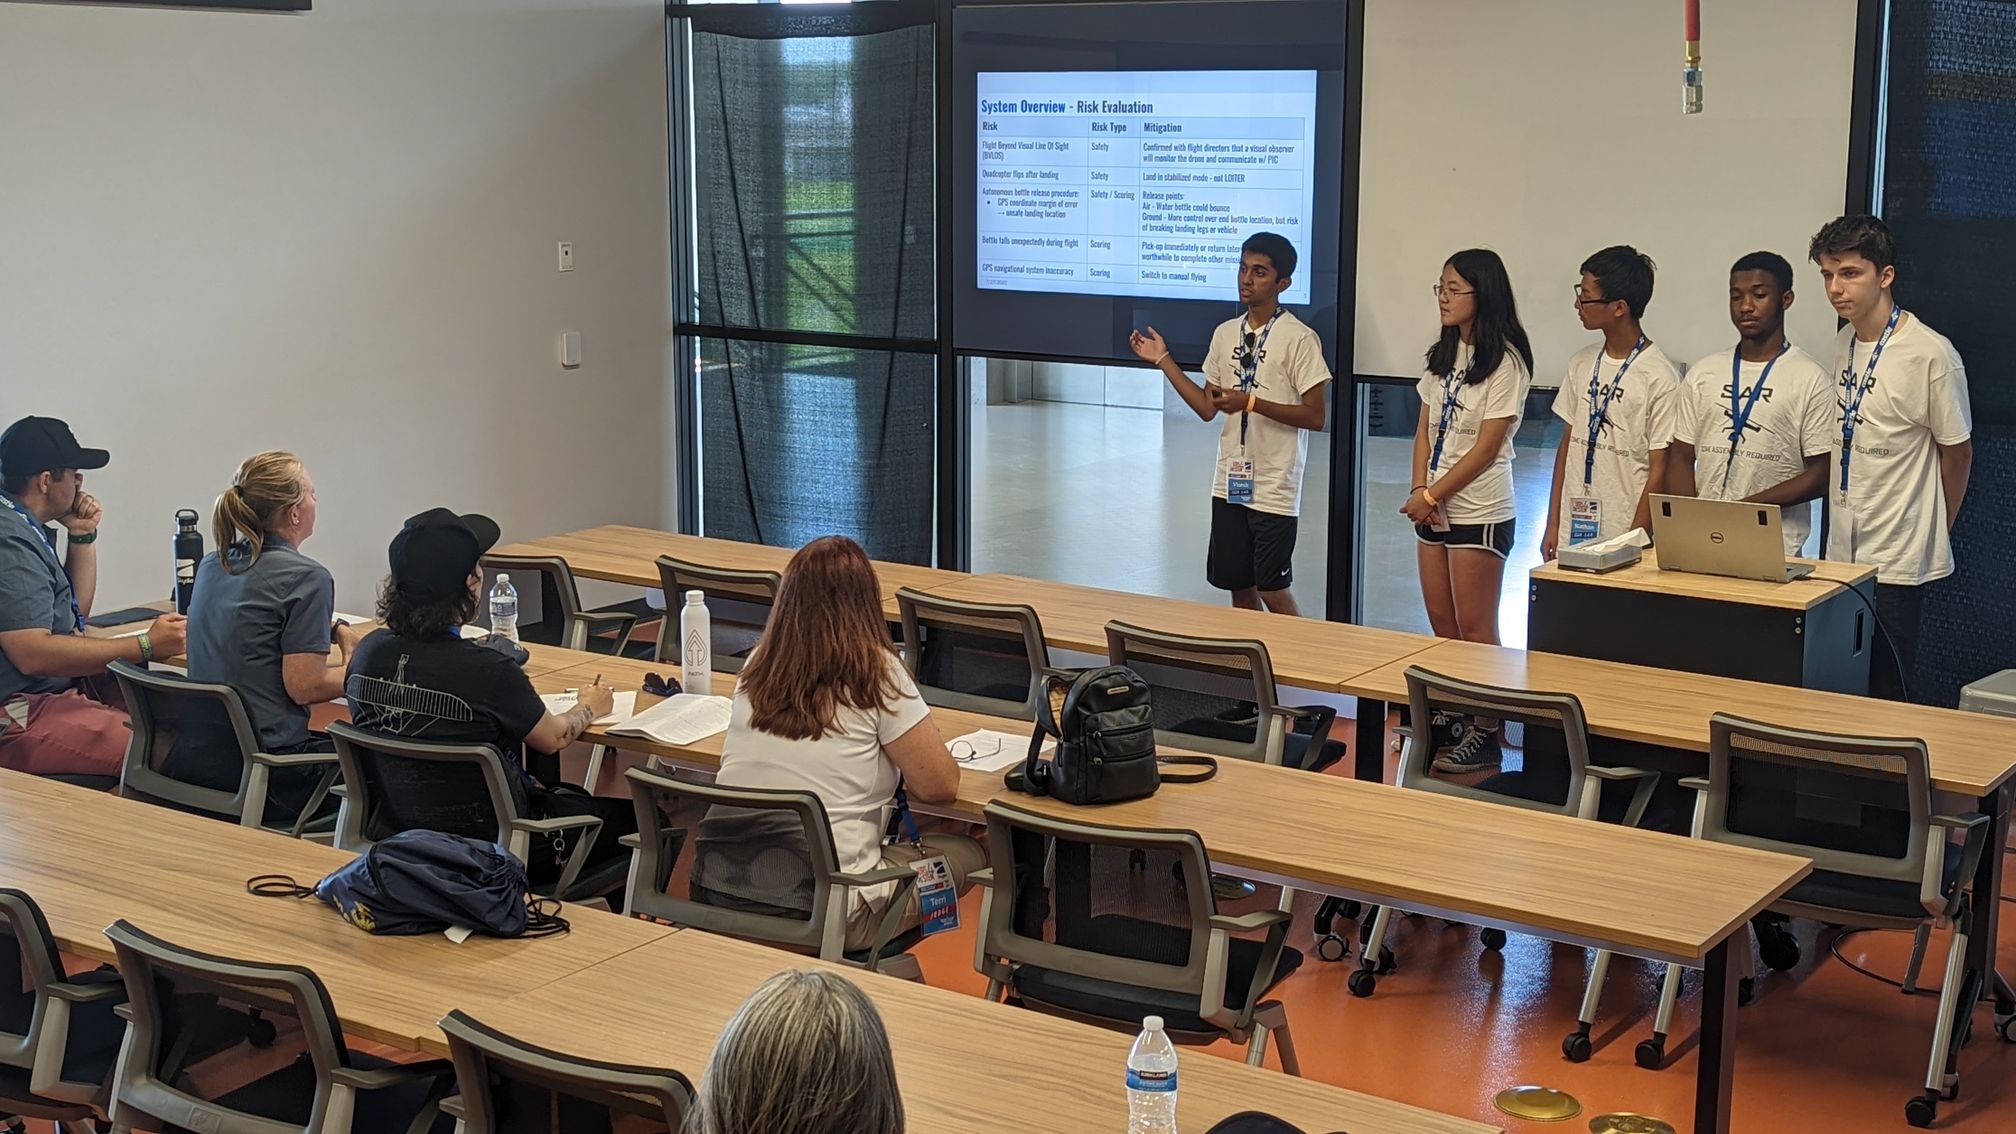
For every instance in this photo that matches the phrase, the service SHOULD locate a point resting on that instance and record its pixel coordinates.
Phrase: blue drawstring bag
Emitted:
(419, 882)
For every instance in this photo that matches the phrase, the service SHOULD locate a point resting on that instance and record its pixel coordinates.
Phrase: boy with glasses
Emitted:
(1618, 400)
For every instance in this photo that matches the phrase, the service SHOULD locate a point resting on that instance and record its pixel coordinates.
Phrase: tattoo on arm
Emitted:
(577, 719)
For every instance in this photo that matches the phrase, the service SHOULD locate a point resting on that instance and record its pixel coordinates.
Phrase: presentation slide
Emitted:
(1141, 183)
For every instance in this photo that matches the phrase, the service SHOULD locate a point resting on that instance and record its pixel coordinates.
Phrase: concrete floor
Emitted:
(1118, 498)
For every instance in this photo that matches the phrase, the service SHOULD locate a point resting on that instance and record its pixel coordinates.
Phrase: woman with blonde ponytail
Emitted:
(261, 621)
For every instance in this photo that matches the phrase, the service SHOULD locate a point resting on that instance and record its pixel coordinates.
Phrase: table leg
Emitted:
(1712, 1085)
(1987, 903)
(1368, 746)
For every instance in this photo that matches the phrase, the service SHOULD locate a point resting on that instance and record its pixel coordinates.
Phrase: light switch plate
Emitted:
(566, 255)
(570, 349)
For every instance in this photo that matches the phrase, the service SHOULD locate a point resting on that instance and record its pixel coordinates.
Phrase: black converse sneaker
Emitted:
(1477, 750)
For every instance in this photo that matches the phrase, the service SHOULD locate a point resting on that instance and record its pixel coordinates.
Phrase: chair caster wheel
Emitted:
(1331, 947)
(1577, 1047)
(1651, 1054)
(1921, 1111)
(261, 1033)
(1952, 1091)
(2005, 1026)
(1386, 962)
(1493, 939)
(1137, 860)
(1746, 992)
(1363, 982)
(1779, 950)
(1349, 909)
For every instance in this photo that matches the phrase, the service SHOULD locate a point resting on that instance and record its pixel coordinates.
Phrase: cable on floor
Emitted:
(1834, 947)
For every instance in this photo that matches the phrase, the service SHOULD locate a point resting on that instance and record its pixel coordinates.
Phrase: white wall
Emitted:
(333, 232)
(1546, 129)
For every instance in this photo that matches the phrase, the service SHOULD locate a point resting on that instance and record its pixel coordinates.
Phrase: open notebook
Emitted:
(624, 709)
(683, 719)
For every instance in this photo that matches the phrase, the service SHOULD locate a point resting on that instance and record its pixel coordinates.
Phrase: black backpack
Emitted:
(1105, 733)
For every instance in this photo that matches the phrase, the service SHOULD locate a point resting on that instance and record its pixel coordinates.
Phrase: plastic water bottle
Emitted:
(696, 645)
(1151, 1081)
(504, 608)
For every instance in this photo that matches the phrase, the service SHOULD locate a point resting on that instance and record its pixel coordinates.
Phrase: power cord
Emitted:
(1834, 947)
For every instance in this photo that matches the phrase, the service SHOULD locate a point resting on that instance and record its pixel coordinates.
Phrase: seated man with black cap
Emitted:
(58, 714)
(416, 679)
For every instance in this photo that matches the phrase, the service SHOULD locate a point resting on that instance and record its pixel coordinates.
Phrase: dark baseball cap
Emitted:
(36, 445)
(436, 552)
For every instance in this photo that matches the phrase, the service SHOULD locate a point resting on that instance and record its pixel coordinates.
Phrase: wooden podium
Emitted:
(1815, 632)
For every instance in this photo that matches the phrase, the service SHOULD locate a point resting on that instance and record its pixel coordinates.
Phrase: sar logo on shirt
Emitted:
(1601, 397)
(1847, 384)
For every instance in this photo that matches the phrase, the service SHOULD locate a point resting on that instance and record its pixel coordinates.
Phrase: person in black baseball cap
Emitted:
(58, 713)
(417, 679)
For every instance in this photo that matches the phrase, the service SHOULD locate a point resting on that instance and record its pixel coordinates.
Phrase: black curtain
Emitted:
(814, 241)
(1949, 194)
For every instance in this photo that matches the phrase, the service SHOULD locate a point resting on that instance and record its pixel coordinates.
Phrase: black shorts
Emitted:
(1250, 550)
(1494, 538)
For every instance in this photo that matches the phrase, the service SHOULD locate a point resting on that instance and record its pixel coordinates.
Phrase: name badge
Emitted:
(937, 898)
(1585, 519)
(1239, 481)
(1841, 530)
(1438, 520)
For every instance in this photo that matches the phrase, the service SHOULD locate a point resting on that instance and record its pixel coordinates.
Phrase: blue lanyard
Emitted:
(1739, 415)
(49, 538)
(1598, 414)
(1249, 366)
(1451, 382)
(1851, 409)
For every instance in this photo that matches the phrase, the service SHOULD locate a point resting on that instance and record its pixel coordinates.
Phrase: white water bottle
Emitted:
(504, 608)
(696, 646)
(1151, 1081)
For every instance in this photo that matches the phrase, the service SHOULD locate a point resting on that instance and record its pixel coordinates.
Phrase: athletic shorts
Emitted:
(1494, 538)
(1249, 549)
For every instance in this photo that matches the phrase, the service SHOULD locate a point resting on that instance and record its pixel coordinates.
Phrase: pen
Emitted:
(597, 681)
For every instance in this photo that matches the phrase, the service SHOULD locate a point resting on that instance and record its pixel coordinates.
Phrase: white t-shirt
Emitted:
(846, 769)
(1792, 419)
(1917, 402)
(1639, 419)
(1487, 499)
(1290, 366)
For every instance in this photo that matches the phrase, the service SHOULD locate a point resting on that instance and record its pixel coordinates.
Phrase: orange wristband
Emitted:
(1430, 498)
(1251, 397)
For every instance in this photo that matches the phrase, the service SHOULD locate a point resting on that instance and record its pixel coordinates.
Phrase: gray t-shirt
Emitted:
(34, 593)
(242, 625)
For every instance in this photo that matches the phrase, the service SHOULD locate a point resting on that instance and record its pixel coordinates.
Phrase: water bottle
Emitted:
(696, 645)
(1151, 1081)
(504, 608)
(188, 553)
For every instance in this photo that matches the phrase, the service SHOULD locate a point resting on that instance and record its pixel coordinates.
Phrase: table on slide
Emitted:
(89, 859)
(1639, 892)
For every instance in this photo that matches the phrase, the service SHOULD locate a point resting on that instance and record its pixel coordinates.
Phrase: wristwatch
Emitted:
(146, 647)
(81, 540)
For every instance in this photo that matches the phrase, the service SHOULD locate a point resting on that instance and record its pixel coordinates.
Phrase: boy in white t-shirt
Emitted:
(1265, 373)
(1902, 445)
(1618, 400)
(1755, 423)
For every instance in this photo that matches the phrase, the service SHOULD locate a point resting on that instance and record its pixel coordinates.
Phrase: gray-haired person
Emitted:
(805, 1054)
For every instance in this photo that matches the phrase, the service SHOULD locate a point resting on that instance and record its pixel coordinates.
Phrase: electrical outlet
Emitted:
(566, 255)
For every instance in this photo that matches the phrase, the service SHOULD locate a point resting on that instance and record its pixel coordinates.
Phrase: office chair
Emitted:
(59, 1035)
(981, 657)
(738, 607)
(507, 1086)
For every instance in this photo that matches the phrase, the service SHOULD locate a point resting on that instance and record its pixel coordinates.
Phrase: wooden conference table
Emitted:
(1639, 892)
(89, 859)
(964, 1063)
(1971, 755)
(1307, 653)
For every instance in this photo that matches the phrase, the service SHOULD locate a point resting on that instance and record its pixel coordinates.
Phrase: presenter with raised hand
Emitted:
(1265, 373)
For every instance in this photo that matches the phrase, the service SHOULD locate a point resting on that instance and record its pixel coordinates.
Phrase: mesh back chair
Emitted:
(320, 1086)
(185, 733)
(507, 1086)
(981, 657)
(1861, 809)
(764, 869)
(563, 621)
(392, 785)
(1109, 943)
(1571, 786)
(738, 607)
(1217, 695)
(59, 1035)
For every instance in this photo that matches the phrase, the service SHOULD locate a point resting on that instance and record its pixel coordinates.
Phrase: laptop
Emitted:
(1722, 537)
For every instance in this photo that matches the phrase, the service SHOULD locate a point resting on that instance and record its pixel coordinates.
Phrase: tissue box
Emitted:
(1584, 559)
